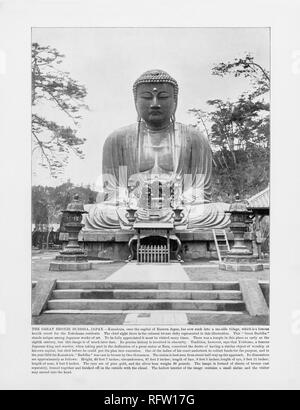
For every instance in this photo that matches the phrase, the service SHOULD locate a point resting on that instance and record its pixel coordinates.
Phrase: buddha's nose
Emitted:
(154, 103)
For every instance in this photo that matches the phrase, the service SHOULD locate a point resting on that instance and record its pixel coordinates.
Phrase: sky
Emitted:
(108, 61)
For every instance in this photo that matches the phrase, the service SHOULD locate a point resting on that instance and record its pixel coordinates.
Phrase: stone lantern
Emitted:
(240, 258)
(72, 257)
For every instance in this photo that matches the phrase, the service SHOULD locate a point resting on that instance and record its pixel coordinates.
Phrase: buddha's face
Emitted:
(155, 103)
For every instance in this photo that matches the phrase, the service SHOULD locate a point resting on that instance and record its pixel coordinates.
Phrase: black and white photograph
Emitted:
(150, 176)
(150, 198)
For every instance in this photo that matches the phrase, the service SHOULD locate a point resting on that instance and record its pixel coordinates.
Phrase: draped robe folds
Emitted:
(191, 166)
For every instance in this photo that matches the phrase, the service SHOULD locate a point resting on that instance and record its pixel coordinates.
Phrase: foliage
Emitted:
(39, 206)
(55, 89)
(248, 68)
(248, 176)
(239, 132)
(48, 202)
(239, 125)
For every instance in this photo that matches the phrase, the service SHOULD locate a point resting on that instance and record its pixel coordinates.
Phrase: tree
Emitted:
(54, 88)
(248, 68)
(39, 206)
(239, 125)
(48, 202)
(239, 132)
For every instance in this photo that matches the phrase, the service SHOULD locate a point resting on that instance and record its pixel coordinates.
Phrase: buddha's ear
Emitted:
(175, 105)
(136, 108)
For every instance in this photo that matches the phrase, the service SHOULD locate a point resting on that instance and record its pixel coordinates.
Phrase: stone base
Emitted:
(191, 250)
(241, 267)
(240, 259)
(65, 262)
(70, 266)
(113, 244)
(243, 261)
(64, 257)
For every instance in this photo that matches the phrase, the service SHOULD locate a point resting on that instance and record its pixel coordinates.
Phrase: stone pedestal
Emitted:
(237, 264)
(240, 257)
(73, 257)
(70, 263)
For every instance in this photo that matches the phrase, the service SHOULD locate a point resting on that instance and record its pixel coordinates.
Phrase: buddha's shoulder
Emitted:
(126, 131)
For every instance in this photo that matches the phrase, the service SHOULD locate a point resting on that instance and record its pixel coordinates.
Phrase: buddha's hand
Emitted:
(188, 197)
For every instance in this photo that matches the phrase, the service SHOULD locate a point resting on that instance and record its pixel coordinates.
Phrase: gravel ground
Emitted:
(100, 271)
(213, 273)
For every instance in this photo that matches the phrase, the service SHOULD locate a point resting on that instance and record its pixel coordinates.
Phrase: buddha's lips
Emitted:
(155, 112)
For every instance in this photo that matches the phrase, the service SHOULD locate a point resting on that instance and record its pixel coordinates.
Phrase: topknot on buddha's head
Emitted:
(155, 76)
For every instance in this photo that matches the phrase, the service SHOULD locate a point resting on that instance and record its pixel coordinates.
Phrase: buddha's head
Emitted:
(155, 94)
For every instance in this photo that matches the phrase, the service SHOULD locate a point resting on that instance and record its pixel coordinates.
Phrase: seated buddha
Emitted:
(156, 165)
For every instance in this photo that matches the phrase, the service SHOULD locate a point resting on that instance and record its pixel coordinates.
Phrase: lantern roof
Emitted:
(76, 205)
(238, 205)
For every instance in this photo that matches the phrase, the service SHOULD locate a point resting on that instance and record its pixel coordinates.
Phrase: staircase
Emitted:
(116, 297)
(221, 242)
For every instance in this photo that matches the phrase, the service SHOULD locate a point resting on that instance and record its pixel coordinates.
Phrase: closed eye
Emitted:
(146, 96)
(163, 95)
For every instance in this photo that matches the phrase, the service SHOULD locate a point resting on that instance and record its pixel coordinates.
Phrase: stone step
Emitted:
(147, 294)
(192, 285)
(138, 312)
(137, 304)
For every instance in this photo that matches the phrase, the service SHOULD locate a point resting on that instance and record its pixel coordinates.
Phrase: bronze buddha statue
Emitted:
(157, 153)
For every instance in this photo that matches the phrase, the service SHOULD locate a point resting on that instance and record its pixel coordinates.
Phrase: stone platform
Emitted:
(113, 244)
(134, 272)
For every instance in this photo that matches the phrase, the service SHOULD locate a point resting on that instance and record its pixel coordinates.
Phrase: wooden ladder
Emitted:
(221, 242)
